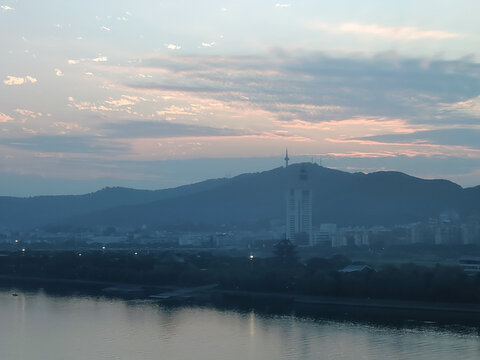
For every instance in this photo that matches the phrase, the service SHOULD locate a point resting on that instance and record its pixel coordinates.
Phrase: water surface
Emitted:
(35, 325)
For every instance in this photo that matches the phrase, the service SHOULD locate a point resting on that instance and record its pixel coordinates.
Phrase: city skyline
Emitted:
(158, 94)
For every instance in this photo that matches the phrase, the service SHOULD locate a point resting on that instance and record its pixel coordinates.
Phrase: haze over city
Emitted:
(156, 94)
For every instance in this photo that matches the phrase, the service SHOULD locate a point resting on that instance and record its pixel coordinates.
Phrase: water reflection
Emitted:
(35, 325)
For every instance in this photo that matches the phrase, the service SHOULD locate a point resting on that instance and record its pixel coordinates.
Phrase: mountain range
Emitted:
(252, 200)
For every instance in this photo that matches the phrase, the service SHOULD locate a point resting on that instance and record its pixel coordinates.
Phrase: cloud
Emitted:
(278, 5)
(100, 59)
(64, 144)
(134, 98)
(67, 125)
(123, 104)
(468, 106)
(13, 80)
(172, 46)
(315, 87)
(5, 118)
(175, 110)
(97, 59)
(396, 33)
(210, 44)
(119, 102)
(125, 100)
(28, 113)
(466, 137)
(163, 129)
(58, 72)
(104, 28)
(6, 8)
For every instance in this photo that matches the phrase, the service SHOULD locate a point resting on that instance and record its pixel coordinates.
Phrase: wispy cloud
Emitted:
(172, 46)
(28, 113)
(396, 33)
(67, 127)
(176, 110)
(5, 118)
(100, 59)
(13, 80)
(452, 137)
(164, 129)
(278, 5)
(65, 144)
(468, 106)
(58, 72)
(119, 102)
(119, 105)
(78, 61)
(209, 44)
(315, 87)
(104, 28)
(6, 8)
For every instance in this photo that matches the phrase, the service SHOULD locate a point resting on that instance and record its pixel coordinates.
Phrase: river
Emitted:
(38, 326)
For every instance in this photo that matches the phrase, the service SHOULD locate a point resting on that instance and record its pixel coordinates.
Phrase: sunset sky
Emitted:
(154, 94)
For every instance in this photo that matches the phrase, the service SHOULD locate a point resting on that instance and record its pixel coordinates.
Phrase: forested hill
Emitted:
(36, 211)
(253, 200)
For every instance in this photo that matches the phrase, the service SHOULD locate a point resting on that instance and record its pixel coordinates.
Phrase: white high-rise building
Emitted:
(299, 227)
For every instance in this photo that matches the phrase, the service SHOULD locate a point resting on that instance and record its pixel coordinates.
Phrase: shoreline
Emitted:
(361, 302)
(208, 293)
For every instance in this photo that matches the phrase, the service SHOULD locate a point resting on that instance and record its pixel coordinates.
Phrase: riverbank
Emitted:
(360, 303)
(383, 310)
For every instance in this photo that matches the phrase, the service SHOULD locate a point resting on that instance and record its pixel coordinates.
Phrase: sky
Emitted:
(155, 94)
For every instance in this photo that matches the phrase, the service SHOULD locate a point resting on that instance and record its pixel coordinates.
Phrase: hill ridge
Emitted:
(250, 199)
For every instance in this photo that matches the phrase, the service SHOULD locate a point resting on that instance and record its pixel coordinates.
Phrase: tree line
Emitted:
(281, 273)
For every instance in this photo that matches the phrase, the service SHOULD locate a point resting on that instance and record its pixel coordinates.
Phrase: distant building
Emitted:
(470, 264)
(470, 232)
(299, 229)
(447, 233)
(195, 240)
(325, 235)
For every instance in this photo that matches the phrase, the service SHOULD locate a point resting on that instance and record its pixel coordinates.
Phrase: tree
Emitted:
(285, 252)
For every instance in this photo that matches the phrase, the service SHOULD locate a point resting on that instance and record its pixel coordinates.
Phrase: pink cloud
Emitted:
(5, 118)
(13, 80)
(28, 113)
(396, 33)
